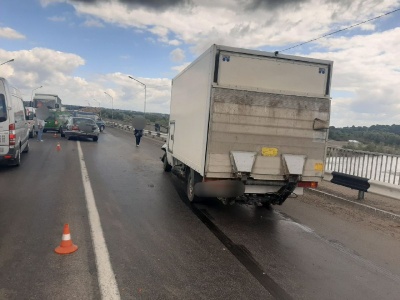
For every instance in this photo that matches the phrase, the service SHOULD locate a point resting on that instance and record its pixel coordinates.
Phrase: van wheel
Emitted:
(17, 160)
(192, 178)
(166, 166)
(26, 150)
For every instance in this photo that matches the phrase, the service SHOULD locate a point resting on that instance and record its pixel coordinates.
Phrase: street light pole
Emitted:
(35, 90)
(144, 112)
(112, 105)
(99, 106)
(7, 61)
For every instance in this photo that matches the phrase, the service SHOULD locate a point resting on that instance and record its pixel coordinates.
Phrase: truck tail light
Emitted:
(12, 135)
(307, 184)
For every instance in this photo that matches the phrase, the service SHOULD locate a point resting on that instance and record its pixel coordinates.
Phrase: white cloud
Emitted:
(174, 42)
(93, 23)
(9, 33)
(366, 66)
(180, 68)
(229, 22)
(57, 19)
(177, 55)
(55, 71)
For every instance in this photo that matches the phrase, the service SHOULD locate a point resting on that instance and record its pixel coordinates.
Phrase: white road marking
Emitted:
(387, 213)
(106, 277)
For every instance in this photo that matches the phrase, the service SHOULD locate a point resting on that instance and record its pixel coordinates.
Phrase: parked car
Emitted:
(14, 130)
(80, 127)
(100, 123)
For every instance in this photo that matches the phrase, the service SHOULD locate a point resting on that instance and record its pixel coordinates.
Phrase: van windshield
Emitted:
(3, 108)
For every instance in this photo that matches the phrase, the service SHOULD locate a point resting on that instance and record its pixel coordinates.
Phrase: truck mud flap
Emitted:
(219, 188)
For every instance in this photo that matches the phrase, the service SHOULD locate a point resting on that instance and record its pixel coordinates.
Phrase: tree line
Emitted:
(376, 138)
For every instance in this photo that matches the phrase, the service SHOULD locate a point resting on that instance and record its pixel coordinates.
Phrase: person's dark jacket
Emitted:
(138, 132)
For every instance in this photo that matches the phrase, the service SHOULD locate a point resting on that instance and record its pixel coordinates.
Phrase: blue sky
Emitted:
(80, 49)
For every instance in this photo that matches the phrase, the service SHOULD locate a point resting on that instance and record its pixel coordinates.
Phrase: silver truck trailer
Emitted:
(249, 126)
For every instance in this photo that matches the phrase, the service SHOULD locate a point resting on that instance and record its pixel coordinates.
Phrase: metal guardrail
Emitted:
(374, 166)
(131, 128)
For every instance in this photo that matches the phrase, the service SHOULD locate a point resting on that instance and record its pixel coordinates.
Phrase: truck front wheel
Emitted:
(192, 178)
(166, 166)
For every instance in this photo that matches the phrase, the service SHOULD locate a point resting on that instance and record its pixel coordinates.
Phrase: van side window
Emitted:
(19, 111)
(3, 108)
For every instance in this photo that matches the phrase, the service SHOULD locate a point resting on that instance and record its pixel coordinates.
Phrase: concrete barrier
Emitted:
(384, 189)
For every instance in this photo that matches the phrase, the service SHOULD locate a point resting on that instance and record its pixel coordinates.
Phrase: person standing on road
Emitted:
(40, 124)
(138, 133)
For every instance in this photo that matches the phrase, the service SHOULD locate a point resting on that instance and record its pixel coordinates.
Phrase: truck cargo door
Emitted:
(171, 137)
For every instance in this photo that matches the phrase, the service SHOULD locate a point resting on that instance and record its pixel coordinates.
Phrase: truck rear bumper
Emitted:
(255, 193)
(263, 189)
(235, 188)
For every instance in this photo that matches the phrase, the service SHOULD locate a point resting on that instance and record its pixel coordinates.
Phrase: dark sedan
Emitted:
(80, 127)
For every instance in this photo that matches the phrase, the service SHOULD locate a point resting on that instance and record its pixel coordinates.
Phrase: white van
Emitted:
(14, 128)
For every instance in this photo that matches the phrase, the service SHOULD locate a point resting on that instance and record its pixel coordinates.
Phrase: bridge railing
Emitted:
(374, 166)
(378, 173)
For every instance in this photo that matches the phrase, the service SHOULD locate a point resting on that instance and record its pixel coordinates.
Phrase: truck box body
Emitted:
(231, 101)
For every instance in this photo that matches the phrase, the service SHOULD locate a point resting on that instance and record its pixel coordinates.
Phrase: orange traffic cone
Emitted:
(66, 246)
(58, 148)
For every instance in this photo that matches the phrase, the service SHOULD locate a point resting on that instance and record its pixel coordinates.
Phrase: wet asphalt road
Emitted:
(161, 247)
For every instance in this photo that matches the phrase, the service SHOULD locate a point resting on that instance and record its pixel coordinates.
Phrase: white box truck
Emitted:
(249, 126)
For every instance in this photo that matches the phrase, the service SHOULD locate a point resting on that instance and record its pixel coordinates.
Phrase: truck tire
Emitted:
(192, 178)
(166, 166)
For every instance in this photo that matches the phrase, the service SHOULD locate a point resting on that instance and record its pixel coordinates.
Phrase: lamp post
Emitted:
(112, 105)
(33, 91)
(99, 106)
(144, 111)
(7, 61)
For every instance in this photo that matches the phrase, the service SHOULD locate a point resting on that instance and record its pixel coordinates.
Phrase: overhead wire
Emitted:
(340, 30)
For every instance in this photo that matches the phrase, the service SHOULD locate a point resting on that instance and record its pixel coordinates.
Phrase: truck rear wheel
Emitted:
(192, 178)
